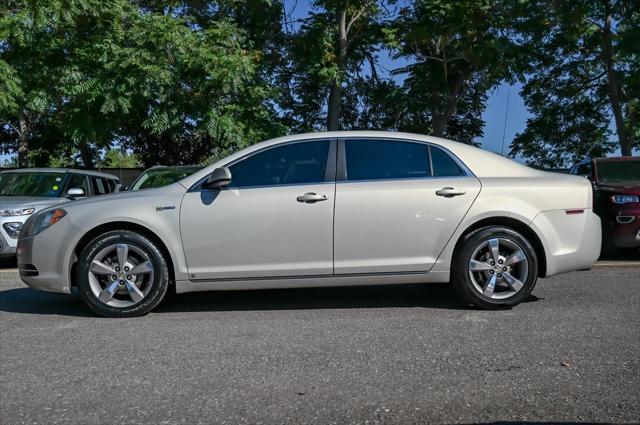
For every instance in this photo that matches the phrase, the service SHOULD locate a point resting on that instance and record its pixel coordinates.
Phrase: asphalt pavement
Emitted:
(391, 354)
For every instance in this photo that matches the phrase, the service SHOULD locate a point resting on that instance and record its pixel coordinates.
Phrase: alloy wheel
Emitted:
(498, 268)
(121, 275)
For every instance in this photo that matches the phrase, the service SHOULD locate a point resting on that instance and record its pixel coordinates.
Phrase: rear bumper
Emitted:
(571, 241)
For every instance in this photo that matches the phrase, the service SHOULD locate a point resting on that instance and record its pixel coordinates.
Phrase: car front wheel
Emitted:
(496, 267)
(122, 274)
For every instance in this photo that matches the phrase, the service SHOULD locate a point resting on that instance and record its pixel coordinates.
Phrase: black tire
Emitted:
(608, 249)
(461, 276)
(157, 285)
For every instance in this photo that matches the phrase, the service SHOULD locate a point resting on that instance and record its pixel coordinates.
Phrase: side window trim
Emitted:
(330, 172)
(88, 185)
(341, 174)
(430, 161)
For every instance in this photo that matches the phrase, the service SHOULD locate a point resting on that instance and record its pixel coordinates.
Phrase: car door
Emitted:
(397, 204)
(275, 219)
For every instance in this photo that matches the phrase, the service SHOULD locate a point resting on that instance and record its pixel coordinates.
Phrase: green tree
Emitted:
(326, 57)
(584, 74)
(81, 74)
(456, 52)
(119, 158)
(30, 52)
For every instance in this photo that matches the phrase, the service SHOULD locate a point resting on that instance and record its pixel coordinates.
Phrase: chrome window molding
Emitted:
(341, 176)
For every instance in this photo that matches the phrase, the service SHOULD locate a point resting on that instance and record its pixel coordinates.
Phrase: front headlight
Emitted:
(16, 212)
(624, 199)
(42, 221)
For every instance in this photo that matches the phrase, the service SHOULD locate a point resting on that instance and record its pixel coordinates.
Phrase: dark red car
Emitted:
(616, 198)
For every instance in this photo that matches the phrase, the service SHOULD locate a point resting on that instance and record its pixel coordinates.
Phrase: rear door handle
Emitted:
(449, 192)
(311, 197)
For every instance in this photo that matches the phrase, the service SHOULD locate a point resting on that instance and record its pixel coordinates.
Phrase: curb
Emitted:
(604, 264)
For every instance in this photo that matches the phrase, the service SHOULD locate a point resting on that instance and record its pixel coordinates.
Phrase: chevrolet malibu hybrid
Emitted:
(323, 209)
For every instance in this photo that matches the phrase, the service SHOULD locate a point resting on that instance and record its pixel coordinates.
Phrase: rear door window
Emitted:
(386, 159)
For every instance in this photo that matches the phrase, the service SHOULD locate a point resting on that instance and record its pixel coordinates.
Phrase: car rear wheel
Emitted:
(122, 274)
(496, 267)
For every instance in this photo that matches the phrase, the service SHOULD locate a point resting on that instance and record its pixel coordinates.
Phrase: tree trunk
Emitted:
(333, 107)
(441, 119)
(86, 154)
(23, 140)
(613, 89)
(333, 115)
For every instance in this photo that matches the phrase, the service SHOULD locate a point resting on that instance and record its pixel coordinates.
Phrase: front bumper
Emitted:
(44, 260)
(623, 235)
(7, 243)
(6, 250)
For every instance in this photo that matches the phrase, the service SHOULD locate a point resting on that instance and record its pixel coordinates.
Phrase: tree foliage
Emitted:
(90, 72)
(186, 81)
(456, 52)
(583, 76)
(326, 60)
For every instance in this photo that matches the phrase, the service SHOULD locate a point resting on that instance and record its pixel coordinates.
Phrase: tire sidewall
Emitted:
(158, 286)
(462, 282)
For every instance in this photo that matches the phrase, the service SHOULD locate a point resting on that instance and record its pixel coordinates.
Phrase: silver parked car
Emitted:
(26, 191)
(324, 209)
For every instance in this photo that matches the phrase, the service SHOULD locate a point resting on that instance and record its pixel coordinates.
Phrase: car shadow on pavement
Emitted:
(434, 296)
(30, 301)
(398, 296)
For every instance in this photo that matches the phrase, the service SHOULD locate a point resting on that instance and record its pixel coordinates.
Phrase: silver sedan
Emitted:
(322, 209)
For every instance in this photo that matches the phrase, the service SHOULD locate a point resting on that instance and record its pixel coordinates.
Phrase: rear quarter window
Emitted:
(443, 164)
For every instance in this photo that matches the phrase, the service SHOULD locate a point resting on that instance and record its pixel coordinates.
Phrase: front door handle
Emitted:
(310, 198)
(449, 192)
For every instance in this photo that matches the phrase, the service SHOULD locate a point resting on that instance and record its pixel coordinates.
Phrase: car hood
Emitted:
(131, 197)
(38, 202)
(624, 188)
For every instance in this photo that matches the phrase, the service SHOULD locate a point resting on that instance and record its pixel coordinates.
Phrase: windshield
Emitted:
(31, 184)
(618, 171)
(162, 177)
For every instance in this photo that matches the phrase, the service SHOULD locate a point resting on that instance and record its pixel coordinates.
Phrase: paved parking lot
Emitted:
(404, 354)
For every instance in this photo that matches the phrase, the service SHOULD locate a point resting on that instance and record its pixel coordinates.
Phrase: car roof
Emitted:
(173, 167)
(617, 159)
(62, 171)
(480, 162)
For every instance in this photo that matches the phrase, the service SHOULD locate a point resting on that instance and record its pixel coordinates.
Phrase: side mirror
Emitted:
(219, 178)
(75, 192)
(119, 188)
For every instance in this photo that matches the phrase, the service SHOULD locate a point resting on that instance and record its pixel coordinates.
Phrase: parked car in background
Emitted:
(616, 187)
(161, 175)
(321, 209)
(23, 192)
